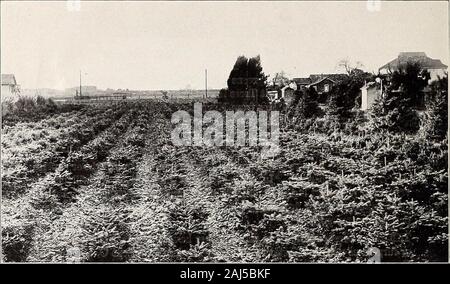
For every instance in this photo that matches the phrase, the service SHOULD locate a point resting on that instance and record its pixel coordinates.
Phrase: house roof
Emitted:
(8, 79)
(333, 77)
(316, 78)
(321, 80)
(302, 81)
(412, 54)
(369, 85)
(419, 57)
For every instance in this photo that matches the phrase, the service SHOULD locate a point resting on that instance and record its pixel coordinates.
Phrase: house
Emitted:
(322, 83)
(434, 66)
(369, 93)
(287, 93)
(336, 77)
(272, 95)
(10, 88)
(301, 82)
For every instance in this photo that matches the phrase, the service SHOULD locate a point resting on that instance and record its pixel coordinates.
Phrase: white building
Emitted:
(369, 93)
(10, 89)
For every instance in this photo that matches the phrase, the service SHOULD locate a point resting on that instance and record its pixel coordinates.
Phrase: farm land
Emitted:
(102, 183)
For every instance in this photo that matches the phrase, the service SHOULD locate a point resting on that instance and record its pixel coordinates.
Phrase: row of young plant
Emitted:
(47, 198)
(48, 146)
(128, 205)
(77, 168)
(215, 202)
(176, 217)
(171, 206)
(342, 190)
(321, 198)
(106, 227)
(97, 224)
(341, 196)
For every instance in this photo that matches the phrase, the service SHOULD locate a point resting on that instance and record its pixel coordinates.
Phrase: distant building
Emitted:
(10, 88)
(322, 83)
(272, 95)
(369, 93)
(301, 82)
(434, 66)
(287, 93)
(85, 90)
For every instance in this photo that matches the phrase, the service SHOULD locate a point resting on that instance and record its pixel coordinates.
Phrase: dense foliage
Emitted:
(437, 118)
(305, 105)
(117, 189)
(27, 109)
(246, 82)
(410, 80)
(346, 95)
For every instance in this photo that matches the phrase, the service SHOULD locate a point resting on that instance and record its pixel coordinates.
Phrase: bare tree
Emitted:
(349, 66)
(280, 79)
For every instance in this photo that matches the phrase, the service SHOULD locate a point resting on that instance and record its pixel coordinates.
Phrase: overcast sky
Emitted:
(162, 45)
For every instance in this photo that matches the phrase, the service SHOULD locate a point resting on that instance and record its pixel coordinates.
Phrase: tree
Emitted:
(344, 96)
(223, 95)
(280, 79)
(306, 105)
(247, 81)
(410, 80)
(393, 112)
(437, 120)
(349, 67)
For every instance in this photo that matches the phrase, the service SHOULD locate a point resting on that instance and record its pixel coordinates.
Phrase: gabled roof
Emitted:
(412, 54)
(316, 78)
(321, 80)
(8, 79)
(417, 57)
(369, 85)
(334, 77)
(302, 81)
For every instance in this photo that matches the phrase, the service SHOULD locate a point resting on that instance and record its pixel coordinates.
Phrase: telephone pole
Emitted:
(206, 83)
(80, 83)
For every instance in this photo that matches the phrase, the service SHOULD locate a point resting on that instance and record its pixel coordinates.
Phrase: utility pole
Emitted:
(206, 83)
(80, 83)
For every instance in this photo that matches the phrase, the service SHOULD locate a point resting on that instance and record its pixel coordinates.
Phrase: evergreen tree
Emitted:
(344, 96)
(247, 75)
(437, 120)
(394, 111)
(223, 95)
(411, 80)
(306, 105)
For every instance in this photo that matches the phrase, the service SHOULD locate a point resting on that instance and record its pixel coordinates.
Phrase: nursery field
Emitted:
(102, 183)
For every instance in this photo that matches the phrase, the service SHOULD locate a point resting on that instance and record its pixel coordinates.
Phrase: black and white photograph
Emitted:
(224, 132)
